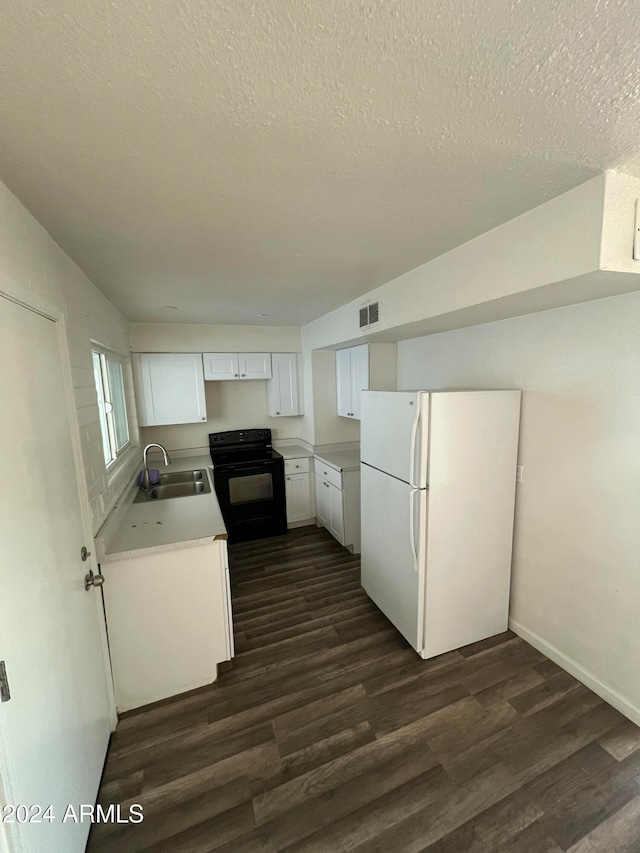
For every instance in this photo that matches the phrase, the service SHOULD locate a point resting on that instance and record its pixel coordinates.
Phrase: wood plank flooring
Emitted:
(328, 733)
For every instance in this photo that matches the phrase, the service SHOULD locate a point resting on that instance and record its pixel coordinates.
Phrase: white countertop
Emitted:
(150, 527)
(293, 451)
(342, 460)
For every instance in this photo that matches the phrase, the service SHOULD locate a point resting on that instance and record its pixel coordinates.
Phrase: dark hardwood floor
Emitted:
(328, 733)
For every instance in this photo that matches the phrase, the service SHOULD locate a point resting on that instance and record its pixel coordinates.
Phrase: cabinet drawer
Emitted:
(296, 466)
(328, 473)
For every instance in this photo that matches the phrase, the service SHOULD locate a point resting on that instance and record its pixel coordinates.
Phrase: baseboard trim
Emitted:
(291, 525)
(617, 700)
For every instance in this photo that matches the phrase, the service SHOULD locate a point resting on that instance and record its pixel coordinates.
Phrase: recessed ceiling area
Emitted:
(237, 159)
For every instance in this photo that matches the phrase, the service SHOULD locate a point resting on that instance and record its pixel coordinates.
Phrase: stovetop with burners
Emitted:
(235, 447)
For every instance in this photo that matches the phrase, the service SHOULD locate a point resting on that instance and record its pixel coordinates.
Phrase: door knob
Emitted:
(84, 553)
(93, 580)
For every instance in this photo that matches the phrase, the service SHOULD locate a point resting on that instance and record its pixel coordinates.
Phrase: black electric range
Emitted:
(248, 475)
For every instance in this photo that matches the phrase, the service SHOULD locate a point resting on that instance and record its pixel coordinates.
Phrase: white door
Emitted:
(359, 377)
(221, 365)
(255, 365)
(343, 382)
(172, 387)
(336, 513)
(298, 497)
(393, 568)
(393, 434)
(55, 728)
(323, 504)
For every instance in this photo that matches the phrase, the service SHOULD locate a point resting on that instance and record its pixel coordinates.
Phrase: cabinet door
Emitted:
(336, 513)
(255, 365)
(343, 382)
(323, 503)
(170, 388)
(283, 391)
(221, 365)
(298, 497)
(359, 376)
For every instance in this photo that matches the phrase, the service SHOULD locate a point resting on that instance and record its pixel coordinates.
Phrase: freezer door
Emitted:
(393, 567)
(394, 434)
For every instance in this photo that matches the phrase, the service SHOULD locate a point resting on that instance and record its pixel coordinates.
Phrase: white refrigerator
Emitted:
(438, 480)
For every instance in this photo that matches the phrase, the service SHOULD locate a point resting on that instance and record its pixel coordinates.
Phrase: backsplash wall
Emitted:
(230, 405)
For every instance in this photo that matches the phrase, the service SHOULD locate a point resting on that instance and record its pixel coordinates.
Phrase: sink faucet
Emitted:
(145, 457)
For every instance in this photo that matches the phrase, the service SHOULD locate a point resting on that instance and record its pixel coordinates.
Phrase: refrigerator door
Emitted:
(474, 450)
(393, 559)
(394, 434)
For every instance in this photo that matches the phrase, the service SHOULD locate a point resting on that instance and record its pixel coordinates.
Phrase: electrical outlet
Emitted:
(519, 473)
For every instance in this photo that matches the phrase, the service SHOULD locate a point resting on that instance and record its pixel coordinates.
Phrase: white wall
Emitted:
(230, 405)
(576, 570)
(30, 256)
(196, 337)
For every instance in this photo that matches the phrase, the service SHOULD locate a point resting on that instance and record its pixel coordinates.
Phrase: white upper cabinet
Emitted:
(359, 377)
(362, 368)
(284, 390)
(255, 365)
(237, 365)
(343, 382)
(170, 388)
(221, 365)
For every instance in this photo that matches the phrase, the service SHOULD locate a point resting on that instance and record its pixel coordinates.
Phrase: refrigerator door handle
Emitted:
(412, 532)
(414, 442)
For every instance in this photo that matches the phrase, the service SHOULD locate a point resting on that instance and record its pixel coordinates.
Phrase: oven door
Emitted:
(252, 499)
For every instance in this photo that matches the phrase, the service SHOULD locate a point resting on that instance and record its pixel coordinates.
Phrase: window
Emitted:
(107, 370)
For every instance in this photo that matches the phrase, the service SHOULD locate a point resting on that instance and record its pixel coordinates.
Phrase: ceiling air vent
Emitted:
(369, 315)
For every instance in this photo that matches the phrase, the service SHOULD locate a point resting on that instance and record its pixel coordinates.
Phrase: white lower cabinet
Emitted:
(298, 497)
(338, 504)
(323, 503)
(336, 513)
(298, 491)
(168, 620)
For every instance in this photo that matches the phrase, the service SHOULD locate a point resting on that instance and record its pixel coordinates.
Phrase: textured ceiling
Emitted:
(284, 156)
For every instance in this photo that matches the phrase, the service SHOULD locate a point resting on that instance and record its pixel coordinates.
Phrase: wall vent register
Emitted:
(369, 315)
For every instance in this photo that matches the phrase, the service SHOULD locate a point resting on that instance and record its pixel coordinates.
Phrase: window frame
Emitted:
(105, 397)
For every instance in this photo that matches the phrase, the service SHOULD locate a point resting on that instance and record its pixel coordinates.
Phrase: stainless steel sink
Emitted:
(182, 477)
(180, 484)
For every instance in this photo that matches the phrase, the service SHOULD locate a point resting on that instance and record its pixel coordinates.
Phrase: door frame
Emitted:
(25, 297)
